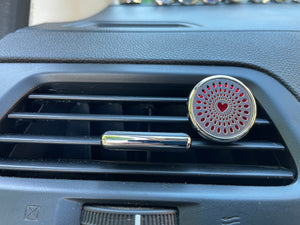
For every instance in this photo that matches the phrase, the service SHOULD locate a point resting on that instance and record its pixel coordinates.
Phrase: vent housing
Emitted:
(55, 132)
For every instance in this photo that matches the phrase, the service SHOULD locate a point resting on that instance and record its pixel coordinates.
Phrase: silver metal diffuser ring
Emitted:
(222, 108)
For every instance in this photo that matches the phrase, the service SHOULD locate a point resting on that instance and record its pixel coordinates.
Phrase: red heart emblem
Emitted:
(222, 107)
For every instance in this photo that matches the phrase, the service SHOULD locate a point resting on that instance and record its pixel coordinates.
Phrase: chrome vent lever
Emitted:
(147, 141)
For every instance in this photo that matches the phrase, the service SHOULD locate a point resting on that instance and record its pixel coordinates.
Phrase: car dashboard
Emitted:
(130, 70)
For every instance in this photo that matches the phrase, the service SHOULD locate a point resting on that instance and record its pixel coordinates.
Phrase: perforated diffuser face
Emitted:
(222, 108)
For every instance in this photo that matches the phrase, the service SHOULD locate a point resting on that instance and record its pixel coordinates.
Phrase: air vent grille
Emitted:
(58, 130)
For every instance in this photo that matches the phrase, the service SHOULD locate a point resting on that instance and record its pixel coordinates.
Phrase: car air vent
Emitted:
(55, 132)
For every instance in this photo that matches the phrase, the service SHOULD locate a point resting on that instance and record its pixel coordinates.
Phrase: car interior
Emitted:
(149, 112)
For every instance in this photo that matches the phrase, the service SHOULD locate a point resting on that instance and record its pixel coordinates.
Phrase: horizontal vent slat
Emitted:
(250, 145)
(95, 117)
(191, 170)
(34, 139)
(106, 98)
(196, 144)
(113, 118)
(260, 121)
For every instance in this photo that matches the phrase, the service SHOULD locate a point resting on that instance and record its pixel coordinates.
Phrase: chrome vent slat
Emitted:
(242, 145)
(260, 121)
(196, 144)
(100, 98)
(111, 118)
(34, 139)
(175, 170)
(95, 117)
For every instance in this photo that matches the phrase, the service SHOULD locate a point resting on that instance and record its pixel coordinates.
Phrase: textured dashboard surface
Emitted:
(263, 37)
